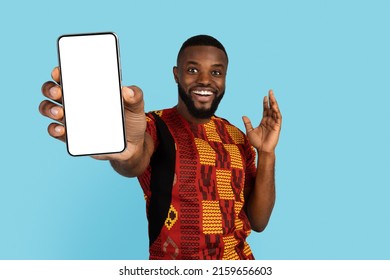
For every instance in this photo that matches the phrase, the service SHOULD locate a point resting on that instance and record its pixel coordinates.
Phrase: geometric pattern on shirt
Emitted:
(171, 248)
(171, 218)
(229, 252)
(207, 154)
(235, 156)
(210, 130)
(212, 217)
(224, 160)
(224, 184)
(235, 134)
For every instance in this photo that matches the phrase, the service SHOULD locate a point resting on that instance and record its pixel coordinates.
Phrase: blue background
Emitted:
(328, 63)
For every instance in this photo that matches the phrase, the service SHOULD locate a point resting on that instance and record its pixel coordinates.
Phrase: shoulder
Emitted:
(152, 124)
(156, 121)
(235, 133)
(151, 115)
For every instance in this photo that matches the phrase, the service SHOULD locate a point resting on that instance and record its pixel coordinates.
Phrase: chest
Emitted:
(209, 162)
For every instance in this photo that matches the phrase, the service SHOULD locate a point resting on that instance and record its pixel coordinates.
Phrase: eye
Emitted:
(216, 73)
(192, 70)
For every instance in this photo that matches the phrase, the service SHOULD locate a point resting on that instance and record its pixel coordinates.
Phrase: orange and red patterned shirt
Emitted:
(194, 188)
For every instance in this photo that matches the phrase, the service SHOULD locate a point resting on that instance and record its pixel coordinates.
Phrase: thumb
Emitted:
(133, 99)
(247, 124)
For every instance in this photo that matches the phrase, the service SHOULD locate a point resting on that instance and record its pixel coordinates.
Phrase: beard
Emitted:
(195, 112)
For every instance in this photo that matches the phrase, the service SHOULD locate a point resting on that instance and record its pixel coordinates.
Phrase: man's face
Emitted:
(200, 75)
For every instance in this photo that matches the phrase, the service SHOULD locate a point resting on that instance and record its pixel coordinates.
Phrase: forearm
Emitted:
(262, 198)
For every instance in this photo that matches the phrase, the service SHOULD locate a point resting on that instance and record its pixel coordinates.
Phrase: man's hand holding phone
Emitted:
(93, 113)
(135, 121)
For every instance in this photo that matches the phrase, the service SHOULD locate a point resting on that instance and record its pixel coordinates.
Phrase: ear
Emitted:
(176, 74)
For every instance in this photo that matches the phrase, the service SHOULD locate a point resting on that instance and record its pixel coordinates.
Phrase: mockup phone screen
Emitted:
(91, 87)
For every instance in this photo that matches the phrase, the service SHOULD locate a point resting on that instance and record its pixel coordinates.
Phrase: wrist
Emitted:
(264, 153)
(266, 160)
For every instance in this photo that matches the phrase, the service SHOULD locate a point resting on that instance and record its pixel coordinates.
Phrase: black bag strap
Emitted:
(161, 182)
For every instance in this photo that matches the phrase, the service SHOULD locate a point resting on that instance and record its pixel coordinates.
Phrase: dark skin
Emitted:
(200, 69)
(201, 72)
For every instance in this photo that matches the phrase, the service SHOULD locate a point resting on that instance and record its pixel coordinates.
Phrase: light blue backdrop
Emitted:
(328, 63)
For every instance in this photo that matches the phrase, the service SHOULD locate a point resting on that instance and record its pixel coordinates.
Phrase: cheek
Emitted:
(221, 85)
(187, 80)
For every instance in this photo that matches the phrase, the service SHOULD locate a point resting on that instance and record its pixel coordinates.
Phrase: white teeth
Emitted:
(203, 92)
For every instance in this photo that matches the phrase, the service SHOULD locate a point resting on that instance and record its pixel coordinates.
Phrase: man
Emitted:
(203, 190)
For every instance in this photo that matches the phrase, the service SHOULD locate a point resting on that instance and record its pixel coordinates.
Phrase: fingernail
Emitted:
(54, 111)
(53, 91)
(128, 91)
(58, 128)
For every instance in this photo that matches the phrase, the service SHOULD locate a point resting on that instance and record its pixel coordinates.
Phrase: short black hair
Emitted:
(202, 40)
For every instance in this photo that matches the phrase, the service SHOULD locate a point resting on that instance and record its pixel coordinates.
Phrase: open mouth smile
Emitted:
(202, 92)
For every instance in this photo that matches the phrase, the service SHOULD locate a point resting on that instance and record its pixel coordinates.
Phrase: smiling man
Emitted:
(200, 74)
(204, 193)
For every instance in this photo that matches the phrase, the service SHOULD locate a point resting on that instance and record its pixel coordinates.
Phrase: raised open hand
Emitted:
(265, 137)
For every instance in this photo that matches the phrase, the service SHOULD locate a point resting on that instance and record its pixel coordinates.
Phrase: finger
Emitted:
(265, 106)
(56, 75)
(51, 110)
(247, 124)
(273, 103)
(133, 99)
(276, 115)
(272, 100)
(100, 157)
(53, 91)
(57, 131)
(108, 156)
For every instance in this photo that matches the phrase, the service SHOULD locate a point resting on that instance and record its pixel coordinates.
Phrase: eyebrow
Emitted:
(214, 65)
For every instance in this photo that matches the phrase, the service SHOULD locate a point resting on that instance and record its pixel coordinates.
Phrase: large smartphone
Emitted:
(91, 88)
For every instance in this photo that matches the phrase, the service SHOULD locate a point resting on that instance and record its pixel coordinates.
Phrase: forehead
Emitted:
(203, 55)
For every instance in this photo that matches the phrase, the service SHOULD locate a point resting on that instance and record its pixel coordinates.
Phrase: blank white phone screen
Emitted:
(91, 85)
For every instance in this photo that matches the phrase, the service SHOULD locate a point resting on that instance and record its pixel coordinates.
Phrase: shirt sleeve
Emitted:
(151, 129)
(144, 178)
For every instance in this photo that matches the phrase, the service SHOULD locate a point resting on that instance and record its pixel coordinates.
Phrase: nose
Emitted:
(204, 78)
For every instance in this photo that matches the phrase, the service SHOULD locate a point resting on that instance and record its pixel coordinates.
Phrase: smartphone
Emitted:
(91, 88)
